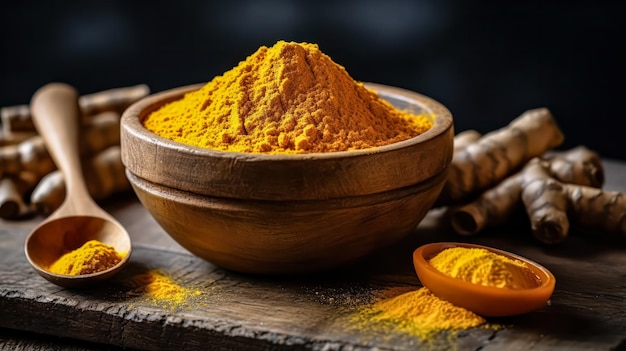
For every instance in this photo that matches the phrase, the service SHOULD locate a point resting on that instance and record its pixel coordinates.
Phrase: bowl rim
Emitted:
(441, 122)
(286, 176)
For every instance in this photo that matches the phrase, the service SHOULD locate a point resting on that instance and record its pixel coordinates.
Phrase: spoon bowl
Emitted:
(51, 239)
(79, 219)
(486, 301)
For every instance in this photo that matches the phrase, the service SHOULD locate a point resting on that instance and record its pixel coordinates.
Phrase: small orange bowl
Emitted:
(484, 300)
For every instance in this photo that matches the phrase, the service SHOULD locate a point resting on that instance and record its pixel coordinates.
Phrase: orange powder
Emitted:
(290, 98)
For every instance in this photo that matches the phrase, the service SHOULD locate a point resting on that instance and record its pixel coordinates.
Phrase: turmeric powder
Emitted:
(161, 289)
(417, 313)
(290, 98)
(420, 313)
(483, 267)
(94, 256)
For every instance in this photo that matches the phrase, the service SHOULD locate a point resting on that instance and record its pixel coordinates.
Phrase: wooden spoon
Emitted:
(79, 219)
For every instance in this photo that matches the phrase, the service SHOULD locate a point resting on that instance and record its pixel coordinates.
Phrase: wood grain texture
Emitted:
(286, 237)
(247, 312)
(13, 340)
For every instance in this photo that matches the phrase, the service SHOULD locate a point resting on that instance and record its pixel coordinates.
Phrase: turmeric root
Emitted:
(18, 118)
(11, 199)
(493, 207)
(115, 100)
(13, 138)
(108, 173)
(577, 166)
(545, 202)
(31, 154)
(49, 194)
(548, 202)
(100, 133)
(596, 208)
(486, 162)
(549, 189)
(13, 190)
(104, 173)
(23, 153)
(465, 138)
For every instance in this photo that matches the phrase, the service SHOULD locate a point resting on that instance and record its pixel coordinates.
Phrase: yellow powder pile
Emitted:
(290, 98)
(161, 289)
(94, 256)
(415, 312)
(483, 267)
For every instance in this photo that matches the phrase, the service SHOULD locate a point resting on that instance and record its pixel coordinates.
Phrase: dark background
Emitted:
(486, 61)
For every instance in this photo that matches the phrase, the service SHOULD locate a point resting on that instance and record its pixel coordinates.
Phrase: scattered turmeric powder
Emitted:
(161, 289)
(290, 98)
(94, 256)
(483, 267)
(417, 313)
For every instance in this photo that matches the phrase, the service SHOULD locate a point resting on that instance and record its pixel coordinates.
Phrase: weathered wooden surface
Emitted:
(234, 311)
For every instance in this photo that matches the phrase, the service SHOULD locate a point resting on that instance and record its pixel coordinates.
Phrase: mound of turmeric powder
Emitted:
(161, 289)
(416, 312)
(94, 256)
(290, 98)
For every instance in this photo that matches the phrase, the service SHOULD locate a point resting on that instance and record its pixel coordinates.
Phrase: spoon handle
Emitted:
(56, 117)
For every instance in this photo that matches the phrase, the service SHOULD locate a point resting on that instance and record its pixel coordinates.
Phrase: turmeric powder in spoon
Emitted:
(92, 257)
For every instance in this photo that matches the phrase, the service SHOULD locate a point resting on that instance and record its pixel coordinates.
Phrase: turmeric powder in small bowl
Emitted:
(286, 164)
(484, 280)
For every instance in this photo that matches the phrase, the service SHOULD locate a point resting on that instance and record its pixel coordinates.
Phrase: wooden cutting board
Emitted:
(236, 311)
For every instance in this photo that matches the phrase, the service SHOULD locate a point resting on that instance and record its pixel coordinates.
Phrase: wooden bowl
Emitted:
(284, 214)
